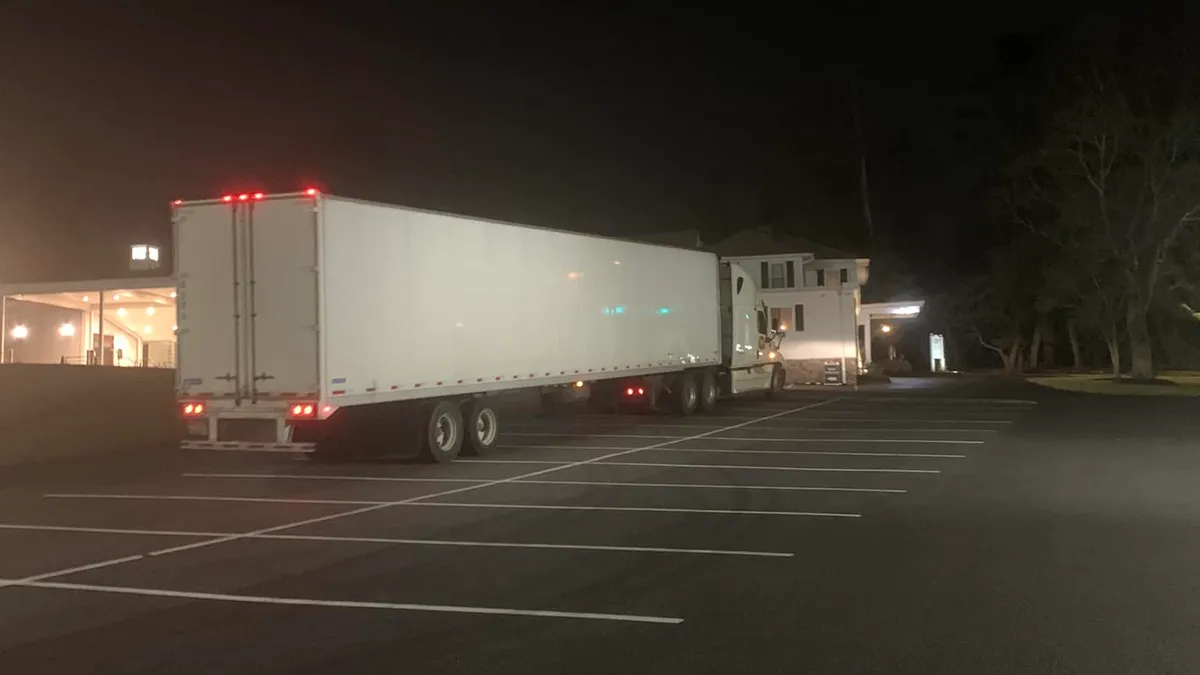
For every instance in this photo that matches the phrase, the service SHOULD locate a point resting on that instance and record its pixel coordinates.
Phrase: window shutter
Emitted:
(766, 275)
(820, 277)
(798, 321)
(791, 274)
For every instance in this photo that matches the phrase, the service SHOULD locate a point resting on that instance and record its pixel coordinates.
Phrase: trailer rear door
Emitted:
(247, 298)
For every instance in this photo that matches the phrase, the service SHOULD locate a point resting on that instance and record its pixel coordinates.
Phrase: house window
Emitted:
(844, 275)
(820, 277)
(783, 315)
(778, 276)
(799, 319)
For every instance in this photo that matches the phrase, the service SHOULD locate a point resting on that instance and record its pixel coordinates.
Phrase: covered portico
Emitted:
(878, 319)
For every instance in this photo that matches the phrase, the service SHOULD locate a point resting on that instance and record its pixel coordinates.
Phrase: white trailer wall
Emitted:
(415, 301)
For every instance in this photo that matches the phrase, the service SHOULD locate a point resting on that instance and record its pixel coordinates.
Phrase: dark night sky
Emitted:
(605, 122)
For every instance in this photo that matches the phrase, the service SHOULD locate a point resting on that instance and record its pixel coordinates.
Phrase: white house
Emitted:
(815, 292)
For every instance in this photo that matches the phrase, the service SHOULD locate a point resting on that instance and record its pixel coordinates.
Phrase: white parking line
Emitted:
(936, 441)
(756, 427)
(807, 418)
(391, 540)
(832, 453)
(344, 604)
(703, 466)
(315, 476)
(375, 507)
(549, 482)
(467, 505)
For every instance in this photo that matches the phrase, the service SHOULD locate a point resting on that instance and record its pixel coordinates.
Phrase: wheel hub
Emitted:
(444, 433)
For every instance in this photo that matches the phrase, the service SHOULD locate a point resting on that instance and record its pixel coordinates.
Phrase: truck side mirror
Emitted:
(775, 324)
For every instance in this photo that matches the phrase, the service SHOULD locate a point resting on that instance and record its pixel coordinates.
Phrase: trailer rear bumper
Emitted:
(266, 428)
(248, 446)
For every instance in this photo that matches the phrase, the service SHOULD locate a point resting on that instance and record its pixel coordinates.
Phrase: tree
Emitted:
(1114, 182)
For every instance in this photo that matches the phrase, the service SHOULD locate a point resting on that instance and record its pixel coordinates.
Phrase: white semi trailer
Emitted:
(314, 323)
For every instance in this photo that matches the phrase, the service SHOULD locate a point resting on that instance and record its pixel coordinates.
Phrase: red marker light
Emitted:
(641, 391)
(227, 198)
(258, 195)
(311, 192)
(243, 197)
(629, 391)
(177, 202)
(297, 410)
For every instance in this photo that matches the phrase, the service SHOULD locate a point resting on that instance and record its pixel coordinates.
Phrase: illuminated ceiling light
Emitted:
(121, 312)
(172, 294)
(175, 328)
(20, 332)
(85, 298)
(150, 311)
(148, 329)
(906, 311)
(116, 296)
(66, 330)
(885, 328)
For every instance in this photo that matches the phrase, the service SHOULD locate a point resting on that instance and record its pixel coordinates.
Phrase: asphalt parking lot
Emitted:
(824, 532)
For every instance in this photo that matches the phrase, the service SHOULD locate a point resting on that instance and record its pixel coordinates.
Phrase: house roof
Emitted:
(754, 242)
(747, 243)
(680, 239)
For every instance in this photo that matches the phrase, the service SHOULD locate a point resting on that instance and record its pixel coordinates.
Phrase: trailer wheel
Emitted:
(778, 379)
(444, 432)
(708, 393)
(685, 395)
(482, 426)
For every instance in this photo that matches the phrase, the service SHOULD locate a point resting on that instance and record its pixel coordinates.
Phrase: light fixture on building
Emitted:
(121, 311)
(20, 332)
(885, 328)
(143, 257)
(148, 329)
(150, 311)
(172, 294)
(67, 330)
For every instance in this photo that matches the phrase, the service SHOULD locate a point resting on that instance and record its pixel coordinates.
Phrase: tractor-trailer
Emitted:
(314, 323)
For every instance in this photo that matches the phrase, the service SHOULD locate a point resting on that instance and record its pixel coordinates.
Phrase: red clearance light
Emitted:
(243, 197)
(227, 198)
(258, 195)
(177, 202)
(311, 192)
(301, 410)
(641, 391)
(193, 409)
(629, 391)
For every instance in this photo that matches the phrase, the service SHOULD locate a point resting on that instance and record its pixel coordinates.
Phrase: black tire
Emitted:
(778, 380)
(482, 424)
(444, 433)
(708, 393)
(685, 394)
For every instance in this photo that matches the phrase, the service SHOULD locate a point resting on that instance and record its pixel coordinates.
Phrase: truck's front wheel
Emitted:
(444, 432)
(778, 381)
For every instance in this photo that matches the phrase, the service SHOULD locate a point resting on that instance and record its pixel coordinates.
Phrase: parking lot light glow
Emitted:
(20, 332)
